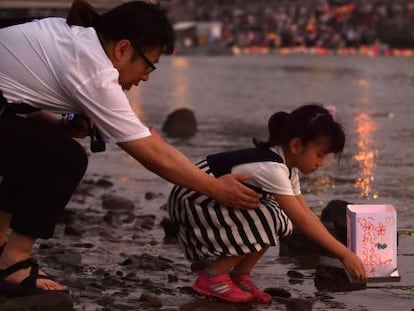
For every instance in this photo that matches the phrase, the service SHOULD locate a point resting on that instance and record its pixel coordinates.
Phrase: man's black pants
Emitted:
(41, 167)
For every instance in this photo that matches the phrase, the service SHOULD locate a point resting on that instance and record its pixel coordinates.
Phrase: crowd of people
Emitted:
(308, 23)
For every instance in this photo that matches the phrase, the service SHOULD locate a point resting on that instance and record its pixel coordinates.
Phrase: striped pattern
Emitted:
(208, 230)
(220, 288)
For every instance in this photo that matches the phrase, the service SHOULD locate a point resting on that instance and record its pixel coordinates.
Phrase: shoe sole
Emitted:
(10, 290)
(209, 294)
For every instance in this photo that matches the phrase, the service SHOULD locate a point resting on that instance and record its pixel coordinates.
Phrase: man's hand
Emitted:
(76, 125)
(234, 194)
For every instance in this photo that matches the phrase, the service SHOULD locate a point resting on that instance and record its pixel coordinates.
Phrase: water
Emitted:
(233, 98)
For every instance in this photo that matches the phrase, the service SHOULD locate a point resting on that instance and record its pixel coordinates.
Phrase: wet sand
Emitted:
(109, 247)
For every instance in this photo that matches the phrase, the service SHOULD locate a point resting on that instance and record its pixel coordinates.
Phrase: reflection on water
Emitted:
(319, 70)
(366, 152)
(180, 82)
(180, 89)
(366, 155)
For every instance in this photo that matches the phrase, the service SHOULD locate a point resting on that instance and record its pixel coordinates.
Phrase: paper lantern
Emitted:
(372, 236)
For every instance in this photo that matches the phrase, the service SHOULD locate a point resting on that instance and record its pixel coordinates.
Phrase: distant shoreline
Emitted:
(369, 51)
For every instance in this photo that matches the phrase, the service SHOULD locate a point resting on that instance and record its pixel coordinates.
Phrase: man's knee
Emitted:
(74, 158)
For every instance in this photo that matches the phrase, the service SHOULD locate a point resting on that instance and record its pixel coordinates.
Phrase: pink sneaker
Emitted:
(222, 287)
(245, 283)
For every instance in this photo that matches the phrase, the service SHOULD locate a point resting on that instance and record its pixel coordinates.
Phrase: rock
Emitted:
(112, 202)
(109, 218)
(295, 274)
(70, 230)
(152, 195)
(330, 276)
(170, 231)
(71, 257)
(145, 222)
(299, 304)
(216, 305)
(181, 123)
(44, 302)
(104, 183)
(172, 278)
(151, 300)
(278, 292)
(119, 218)
(147, 262)
(333, 217)
(83, 245)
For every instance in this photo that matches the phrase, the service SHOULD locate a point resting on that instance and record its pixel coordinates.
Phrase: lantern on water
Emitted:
(372, 236)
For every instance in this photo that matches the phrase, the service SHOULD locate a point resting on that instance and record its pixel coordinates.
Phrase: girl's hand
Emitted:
(354, 266)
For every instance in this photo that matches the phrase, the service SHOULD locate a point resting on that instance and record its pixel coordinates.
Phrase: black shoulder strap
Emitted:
(222, 163)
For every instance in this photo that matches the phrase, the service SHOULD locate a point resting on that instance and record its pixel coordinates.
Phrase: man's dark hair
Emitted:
(144, 24)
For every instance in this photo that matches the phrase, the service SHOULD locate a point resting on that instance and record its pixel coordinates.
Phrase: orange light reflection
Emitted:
(180, 88)
(366, 155)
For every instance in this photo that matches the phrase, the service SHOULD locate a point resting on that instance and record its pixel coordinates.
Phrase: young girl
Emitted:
(231, 241)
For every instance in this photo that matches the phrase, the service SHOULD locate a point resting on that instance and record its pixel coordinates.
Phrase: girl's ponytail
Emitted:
(308, 123)
(277, 126)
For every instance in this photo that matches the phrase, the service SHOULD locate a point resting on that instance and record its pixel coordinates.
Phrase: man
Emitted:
(57, 68)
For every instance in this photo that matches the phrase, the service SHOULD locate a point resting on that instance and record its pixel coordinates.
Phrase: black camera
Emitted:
(97, 143)
(79, 121)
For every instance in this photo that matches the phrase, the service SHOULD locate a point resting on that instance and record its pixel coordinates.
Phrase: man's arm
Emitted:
(169, 163)
(78, 130)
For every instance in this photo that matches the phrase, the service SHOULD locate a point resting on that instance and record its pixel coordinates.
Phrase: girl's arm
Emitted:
(306, 206)
(303, 218)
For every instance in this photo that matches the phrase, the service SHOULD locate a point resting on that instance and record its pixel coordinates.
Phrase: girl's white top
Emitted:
(272, 177)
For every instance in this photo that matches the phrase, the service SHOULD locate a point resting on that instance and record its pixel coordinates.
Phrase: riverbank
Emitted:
(369, 51)
(111, 249)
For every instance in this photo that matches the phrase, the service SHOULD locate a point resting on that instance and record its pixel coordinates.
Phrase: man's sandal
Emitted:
(28, 285)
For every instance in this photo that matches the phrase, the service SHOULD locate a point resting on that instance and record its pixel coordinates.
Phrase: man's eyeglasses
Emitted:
(150, 65)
